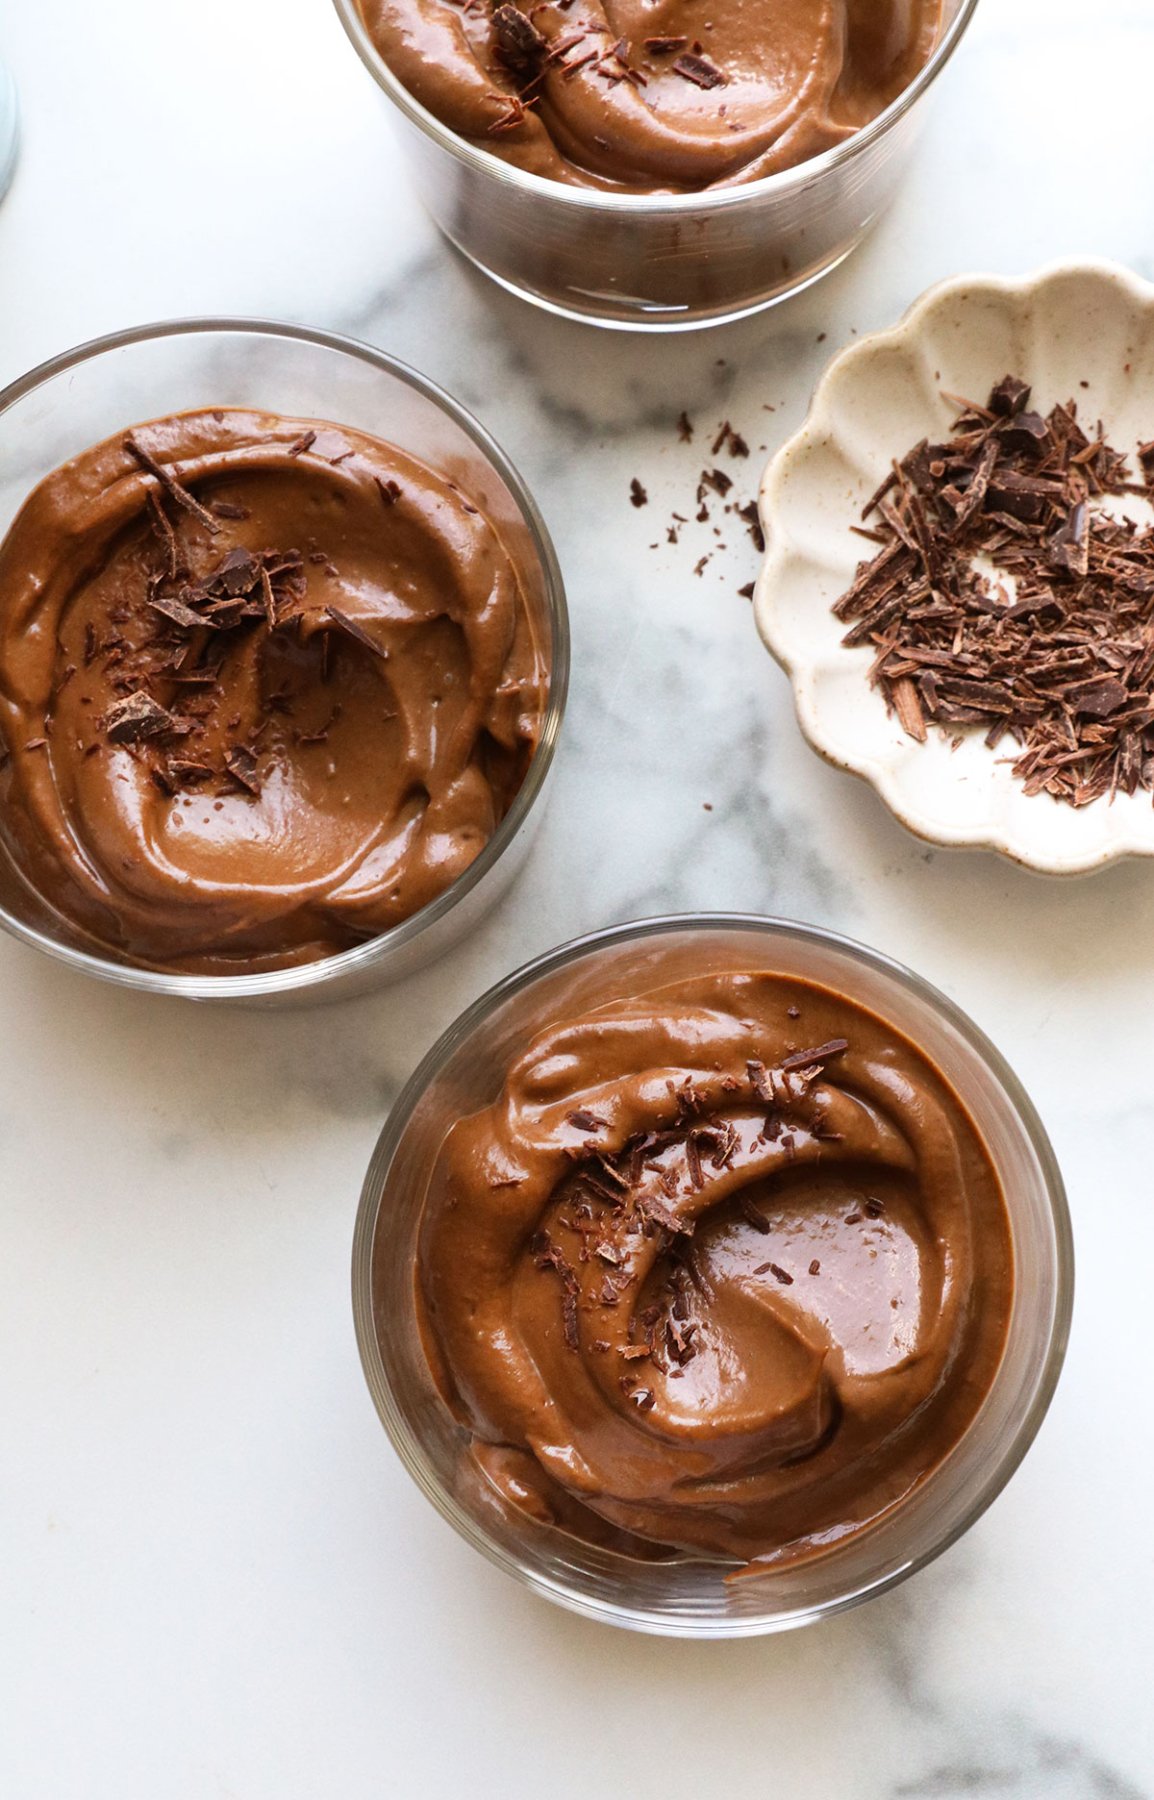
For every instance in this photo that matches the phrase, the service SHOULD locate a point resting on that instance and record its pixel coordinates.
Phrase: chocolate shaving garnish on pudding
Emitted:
(242, 766)
(522, 48)
(755, 1217)
(350, 626)
(805, 1059)
(138, 717)
(171, 485)
(164, 526)
(180, 614)
(598, 100)
(660, 1274)
(1004, 595)
(699, 70)
(266, 785)
(583, 1120)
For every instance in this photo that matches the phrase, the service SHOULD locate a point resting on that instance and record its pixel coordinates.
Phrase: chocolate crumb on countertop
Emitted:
(637, 494)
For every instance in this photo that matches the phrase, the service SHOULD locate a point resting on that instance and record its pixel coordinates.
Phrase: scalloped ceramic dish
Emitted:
(1081, 330)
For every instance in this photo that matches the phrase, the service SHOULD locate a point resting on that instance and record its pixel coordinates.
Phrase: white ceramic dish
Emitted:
(1080, 330)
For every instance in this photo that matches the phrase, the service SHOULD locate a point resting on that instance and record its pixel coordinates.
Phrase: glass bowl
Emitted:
(689, 1597)
(9, 129)
(657, 262)
(86, 395)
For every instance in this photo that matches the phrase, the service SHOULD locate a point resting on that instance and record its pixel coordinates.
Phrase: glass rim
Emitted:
(407, 1444)
(303, 977)
(595, 199)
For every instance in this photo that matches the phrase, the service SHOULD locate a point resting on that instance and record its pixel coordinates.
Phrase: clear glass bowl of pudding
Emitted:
(407, 702)
(873, 1322)
(659, 260)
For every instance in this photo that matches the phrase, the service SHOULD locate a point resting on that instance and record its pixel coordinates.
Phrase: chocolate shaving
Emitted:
(179, 613)
(171, 485)
(548, 1256)
(238, 573)
(716, 479)
(699, 70)
(138, 717)
(806, 1059)
(163, 526)
(637, 494)
(752, 517)
(351, 628)
(520, 45)
(582, 1120)
(661, 1215)
(242, 766)
(187, 772)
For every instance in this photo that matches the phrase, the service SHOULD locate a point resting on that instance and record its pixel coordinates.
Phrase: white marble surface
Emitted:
(216, 1580)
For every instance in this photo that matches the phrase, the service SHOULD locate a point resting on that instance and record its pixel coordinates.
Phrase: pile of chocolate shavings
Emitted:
(1055, 649)
(197, 619)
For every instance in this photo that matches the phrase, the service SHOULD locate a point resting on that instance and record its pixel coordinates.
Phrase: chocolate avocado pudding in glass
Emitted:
(268, 685)
(656, 164)
(667, 98)
(726, 1268)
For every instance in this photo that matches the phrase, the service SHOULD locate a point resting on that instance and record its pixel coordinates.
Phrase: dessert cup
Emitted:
(84, 396)
(687, 1596)
(657, 262)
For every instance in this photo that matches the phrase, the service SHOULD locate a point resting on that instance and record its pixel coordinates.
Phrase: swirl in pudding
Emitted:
(726, 1268)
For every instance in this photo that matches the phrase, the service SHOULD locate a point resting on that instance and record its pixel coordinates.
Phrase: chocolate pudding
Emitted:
(676, 97)
(726, 1268)
(267, 687)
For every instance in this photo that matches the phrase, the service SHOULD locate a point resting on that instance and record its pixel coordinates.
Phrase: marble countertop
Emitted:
(217, 1580)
